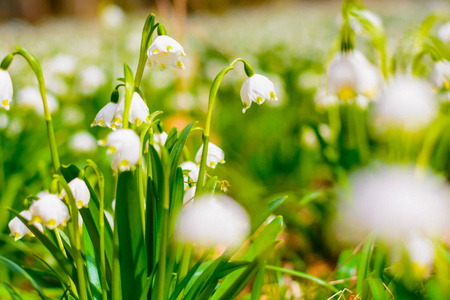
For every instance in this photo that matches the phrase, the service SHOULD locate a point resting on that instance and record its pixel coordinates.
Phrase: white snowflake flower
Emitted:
(165, 52)
(214, 157)
(257, 88)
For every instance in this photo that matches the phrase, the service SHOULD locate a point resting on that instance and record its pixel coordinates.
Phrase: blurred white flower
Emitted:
(30, 98)
(372, 17)
(165, 52)
(83, 142)
(80, 192)
(213, 221)
(393, 202)
(63, 64)
(323, 100)
(214, 157)
(408, 103)
(105, 116)
(444, 32)
(6, 89)
(422, 252)
(190, 170)
(91, 79)
(4, 120)
(72, 115)
(126, 147)
(18, 229)
(138, 114)
(309, 138)
(112, 16)
(440, 75)
(50, 211)
(257, 88)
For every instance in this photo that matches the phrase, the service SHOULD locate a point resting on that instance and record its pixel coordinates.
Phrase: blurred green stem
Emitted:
(212, 98)
(36, 67)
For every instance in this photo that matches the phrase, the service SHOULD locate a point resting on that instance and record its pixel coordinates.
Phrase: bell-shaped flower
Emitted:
(80, 192)
(257, 88)
(6, 89)
(50, 211)
(440, 75)
(214, 157)
(190, 171)
(125, 144)
(189, 196)
(159, 139)
(165, 52)
(105, 116)
(213, 221)
(408, 104)
(18, 229)
(138, 113)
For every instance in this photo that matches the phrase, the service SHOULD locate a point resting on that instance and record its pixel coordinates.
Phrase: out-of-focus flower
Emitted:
(105, 116)
(139, 112)
(50, 211)
(372, 17)
(30, 97)
(165, 52)
(212, 221)
(393, 202)
(91, 79)
(440, 75)
(444, 32)
(112, 16)
(408, 104)
(63, 64)
(257, 88)
(83, 142)
(80, 192)
(6, 89)
(72, 115)
(350, 74)
(190, 170)
(421, 252)
(126, 147)
(4, 120)
(214, 157)
(323, 100)
(18, 229)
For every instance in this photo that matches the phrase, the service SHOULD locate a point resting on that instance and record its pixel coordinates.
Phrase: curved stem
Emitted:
(36, 67)
(129, 90)
(212, 98)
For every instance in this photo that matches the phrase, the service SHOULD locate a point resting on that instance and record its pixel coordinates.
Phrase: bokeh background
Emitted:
(271, 150)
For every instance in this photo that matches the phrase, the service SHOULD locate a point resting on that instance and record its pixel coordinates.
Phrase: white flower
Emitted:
(126, 146)
(30, 98)
(215, 156)
(212, 221)
(190, 171)
(440, 75)
(159, 139)
(6, 89)
(189, 196)
(4, 121)
(105, 116)
(408, 104)
(350, 74)
(373, 18)
(138, 113)
(83, 142)
(165, 52)
(18, 229)
(324, 100)
(80, 192)
(444, 32)
(50, 211)
(257, 88)
(63, 64)
(91, 78)
(112, 16)
(394, 202)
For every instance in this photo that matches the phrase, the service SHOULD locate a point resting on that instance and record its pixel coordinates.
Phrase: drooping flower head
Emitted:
(212, 221)
(50, 211)
(165, 52)
(190, 170)
(408, 104)
(214, 157)
(80, 192)
(257, 88)
(126, 147)
(138, 114)
(105, 116)
(18, 229)
(6, 89)
(159, 140)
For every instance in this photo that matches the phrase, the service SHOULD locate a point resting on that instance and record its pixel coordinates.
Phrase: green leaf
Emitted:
(12, 292)
(257, 285)
(210, 185)
(91, 219)
(92, 265)
(16, 268)
(363, 266)
(171, 138)
(177, 150)
(132, 250)
(262, 214)
(378, 289)
(176, 198)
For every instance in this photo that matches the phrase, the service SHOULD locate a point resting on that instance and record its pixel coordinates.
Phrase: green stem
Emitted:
(36, 67)
(116, 292)
(77, 240)
(147, 33)
(60, 243)
(212, 98)
(129, 90)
